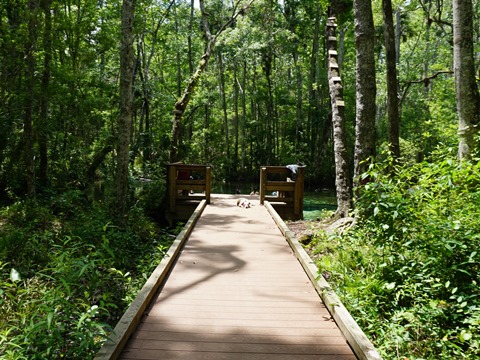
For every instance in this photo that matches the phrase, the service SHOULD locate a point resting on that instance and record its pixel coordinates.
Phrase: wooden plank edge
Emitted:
(361, 345)
(114, 345)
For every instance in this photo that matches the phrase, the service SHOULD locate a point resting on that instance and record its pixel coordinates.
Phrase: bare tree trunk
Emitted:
(244, 112)
(126, 110)
(221, 72)
(235, 110)
(299, 139)
(468, 98)
(365, 88)
(342, 177)
(392, 85)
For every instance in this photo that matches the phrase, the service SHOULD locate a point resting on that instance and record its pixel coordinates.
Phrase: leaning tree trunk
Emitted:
(182, 103)
(468, 98)
(365, 133)
(126, 110)
(342, 178)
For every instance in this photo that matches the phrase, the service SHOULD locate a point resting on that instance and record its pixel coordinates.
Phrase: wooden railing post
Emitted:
(208, 183)
(298, 193)
(263, 182)
(172, 186)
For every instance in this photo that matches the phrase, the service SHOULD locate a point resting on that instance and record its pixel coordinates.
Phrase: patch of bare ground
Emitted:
(302, 228)
(305, 230)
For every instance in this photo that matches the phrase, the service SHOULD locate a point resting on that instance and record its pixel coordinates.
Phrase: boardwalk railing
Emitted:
(187, 185)
(284, 193)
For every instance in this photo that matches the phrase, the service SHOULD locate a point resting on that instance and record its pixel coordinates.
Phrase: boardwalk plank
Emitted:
(244, 348)
(180, 355)
(237, 291)
(240, 338)
(327, 328)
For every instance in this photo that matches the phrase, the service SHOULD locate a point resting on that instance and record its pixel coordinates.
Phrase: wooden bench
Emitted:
(187, 185)
(284, 193)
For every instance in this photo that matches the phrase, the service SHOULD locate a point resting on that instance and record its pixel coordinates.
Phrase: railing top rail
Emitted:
(190, 166)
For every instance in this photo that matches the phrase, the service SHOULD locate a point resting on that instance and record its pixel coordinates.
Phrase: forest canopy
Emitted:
(262, 100)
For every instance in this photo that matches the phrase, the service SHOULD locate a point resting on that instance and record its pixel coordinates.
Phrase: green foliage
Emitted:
(409, 272)
(67, 275)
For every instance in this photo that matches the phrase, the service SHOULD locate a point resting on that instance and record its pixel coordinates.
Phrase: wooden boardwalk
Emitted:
(237, 291)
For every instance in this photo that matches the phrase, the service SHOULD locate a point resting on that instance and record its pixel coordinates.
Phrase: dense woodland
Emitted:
(379, 99)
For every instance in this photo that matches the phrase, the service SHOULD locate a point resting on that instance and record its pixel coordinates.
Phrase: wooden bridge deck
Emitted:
(237, 291)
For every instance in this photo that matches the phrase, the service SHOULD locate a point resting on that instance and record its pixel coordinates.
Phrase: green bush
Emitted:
(68, 274)
(410, 271)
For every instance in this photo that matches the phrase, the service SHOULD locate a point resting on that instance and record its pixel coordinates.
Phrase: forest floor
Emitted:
(300, 227)
(304, 229)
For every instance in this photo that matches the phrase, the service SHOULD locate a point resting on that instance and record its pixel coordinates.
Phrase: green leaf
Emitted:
(465, 336)
(49, 320)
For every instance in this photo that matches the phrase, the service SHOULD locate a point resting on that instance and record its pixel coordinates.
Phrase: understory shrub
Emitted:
(410, 271)
(66, 277)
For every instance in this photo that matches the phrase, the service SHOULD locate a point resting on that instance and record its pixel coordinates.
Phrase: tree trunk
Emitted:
(313, 121)
(468, 98)
(126, 110)
(226, 129)
(398, 34)
(342, 177)
(235, 110)
(299, 126)
(365, 133)
(244, 113)
(392, 85)
(44, 96)
(184, 100)
(178, 55)
(30, 47)
(189, 38)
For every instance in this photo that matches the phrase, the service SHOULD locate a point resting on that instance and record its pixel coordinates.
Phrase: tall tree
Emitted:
(28, 136)
(126, 108)
(342, 178)
(365, 133)
(392, 86)
(44, 95)
(226, 128)
(468, 98)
